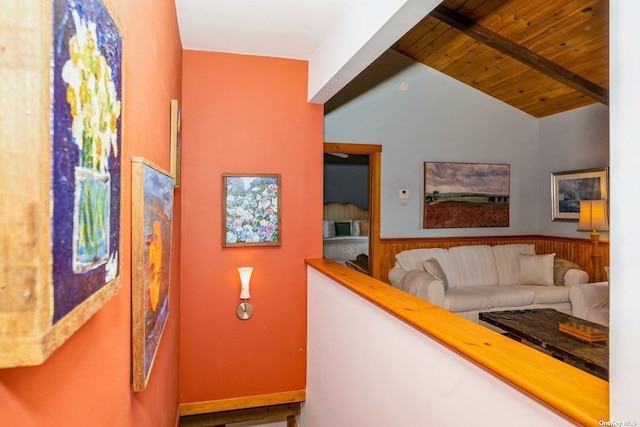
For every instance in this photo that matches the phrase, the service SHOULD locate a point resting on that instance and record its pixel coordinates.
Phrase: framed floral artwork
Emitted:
(61, 258)
(251, 210)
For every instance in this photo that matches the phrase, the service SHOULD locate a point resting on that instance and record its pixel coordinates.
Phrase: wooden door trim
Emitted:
(374, 151)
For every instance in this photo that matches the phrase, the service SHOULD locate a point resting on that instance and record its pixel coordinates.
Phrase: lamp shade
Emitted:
(593, 215)
(245, 278)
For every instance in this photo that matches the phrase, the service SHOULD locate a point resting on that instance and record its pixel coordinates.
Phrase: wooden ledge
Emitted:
(571, 392)
(247, 402)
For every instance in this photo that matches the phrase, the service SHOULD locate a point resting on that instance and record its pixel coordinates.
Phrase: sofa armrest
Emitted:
(396, 276)
(418, 283)
(574, 276)
(586, 297)
(431, 289)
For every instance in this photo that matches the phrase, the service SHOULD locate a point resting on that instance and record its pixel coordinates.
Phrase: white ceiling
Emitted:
(278, 28)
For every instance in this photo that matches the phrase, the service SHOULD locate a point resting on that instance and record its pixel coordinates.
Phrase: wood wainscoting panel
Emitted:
(572, 249)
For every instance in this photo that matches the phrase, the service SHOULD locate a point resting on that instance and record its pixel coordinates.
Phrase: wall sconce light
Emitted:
(245, 310)
(593, 217)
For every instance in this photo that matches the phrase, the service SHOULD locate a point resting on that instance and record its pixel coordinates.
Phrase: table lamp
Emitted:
(593, 218)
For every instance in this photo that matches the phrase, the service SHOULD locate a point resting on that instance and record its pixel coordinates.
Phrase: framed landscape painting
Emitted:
(568, 188)
(465, 195)
(151, 223)
(251, 210)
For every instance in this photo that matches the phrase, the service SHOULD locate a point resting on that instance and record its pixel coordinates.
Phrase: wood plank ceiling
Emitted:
(540, 56)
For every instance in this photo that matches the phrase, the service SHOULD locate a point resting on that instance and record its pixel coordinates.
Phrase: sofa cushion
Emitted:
(432, 266)
(506, 296)
(465, 300)
(535, 269)
(475, 264)
(413, 260)
(506, 257)
(547, 294)
(560, 268)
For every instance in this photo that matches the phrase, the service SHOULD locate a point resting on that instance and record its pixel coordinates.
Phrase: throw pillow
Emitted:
(432, 266)
(343, 228)
(355, 228)
(535, 269)
(328, 229)
(364, 228)
(560, 267)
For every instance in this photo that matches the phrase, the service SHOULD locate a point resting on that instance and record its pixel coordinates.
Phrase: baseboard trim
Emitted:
(178, 417)
(242, 402)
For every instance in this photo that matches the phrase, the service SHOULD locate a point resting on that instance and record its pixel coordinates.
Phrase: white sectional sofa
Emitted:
(468, 280)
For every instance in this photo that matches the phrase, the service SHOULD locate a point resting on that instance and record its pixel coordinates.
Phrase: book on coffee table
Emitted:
(583, 332)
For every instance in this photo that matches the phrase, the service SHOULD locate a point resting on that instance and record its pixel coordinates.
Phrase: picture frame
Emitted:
(251, 210)
(176, 141)
(569, 187)
(152, 201)
(466, 195)
(62, 260)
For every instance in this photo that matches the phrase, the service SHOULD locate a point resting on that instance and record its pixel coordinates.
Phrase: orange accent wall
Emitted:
(87, 381)
(246, 114)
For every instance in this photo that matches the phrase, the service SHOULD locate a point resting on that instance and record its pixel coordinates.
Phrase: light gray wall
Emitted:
(575, 140)
(437, 119)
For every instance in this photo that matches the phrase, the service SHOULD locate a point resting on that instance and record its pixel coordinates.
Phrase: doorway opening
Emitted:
(352, 199)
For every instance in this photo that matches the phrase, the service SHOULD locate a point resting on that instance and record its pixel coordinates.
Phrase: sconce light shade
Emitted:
(245, 278)
(593, 215)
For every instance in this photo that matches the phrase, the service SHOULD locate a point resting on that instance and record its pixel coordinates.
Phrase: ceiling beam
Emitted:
(519, 53)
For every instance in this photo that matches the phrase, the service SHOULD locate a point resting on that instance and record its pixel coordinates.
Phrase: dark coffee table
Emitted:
(540, 328)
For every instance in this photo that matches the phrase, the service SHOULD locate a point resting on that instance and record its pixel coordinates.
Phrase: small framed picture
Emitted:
(251, 206)
(568, 188)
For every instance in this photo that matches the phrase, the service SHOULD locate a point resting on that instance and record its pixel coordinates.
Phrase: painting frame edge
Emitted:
(140, 378)
(176, 141)
(225, 210)
(556, 177)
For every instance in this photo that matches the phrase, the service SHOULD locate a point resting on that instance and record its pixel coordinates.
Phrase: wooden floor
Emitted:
(287, 411)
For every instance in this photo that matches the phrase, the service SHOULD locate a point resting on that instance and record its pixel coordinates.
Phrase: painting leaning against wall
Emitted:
(465, 195)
